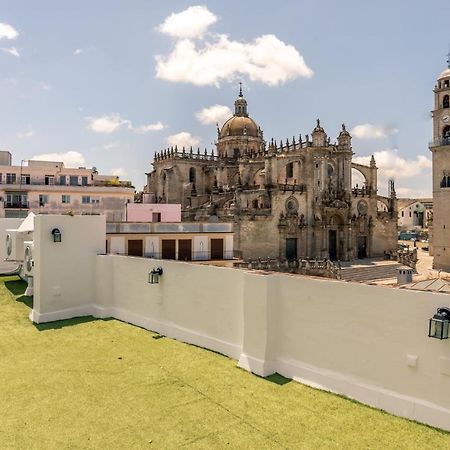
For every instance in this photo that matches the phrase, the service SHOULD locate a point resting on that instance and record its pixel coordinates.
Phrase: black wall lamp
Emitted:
(154, 274)
(56, 235)
(439, 324)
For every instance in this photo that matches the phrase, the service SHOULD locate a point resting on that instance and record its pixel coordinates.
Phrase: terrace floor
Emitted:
(86, 383)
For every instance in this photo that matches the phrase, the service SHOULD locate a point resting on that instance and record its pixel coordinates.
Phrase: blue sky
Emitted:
(81, 79)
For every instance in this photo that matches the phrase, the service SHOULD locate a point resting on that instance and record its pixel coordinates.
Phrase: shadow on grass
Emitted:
(278, 379)
(66, 323)
(16, 287)
(27, 300)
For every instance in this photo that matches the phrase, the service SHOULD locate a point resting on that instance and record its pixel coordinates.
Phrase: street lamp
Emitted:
(439, 324)
(154, 274)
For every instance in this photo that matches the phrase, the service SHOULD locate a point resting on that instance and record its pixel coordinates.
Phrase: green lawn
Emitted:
(103, 384)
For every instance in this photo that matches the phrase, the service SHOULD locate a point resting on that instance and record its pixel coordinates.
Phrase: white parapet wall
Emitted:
(64, 272)
(367, 342)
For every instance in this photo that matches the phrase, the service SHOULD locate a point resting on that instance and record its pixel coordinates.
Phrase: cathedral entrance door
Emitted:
(291, 249)
(362, 247)
(332, 245)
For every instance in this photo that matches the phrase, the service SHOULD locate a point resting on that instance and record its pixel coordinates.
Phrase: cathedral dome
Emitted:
(240, 126)
(444, 74)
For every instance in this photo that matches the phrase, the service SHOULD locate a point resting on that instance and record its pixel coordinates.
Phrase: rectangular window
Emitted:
(86, 199)
(410, 214)
(95, 200)
(16, 200)
(1, 178)
(62, 180)
(43, 199)
(65, 199)
(26, 179)
(10, 178)
(49, 180)
(84, 181)
(73, 180)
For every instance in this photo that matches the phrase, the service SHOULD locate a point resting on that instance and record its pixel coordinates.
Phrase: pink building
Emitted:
(153, 212)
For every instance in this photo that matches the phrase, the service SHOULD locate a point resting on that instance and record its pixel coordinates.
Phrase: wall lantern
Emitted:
(56, 235)
(154, 274)
(439, 324)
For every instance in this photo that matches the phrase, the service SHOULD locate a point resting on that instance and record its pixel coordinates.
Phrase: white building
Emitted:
(46, 187)
(414, 213)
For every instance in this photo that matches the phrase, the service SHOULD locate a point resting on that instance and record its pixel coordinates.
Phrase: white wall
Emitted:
(367, 342)
(64, 272)
(151, 246)
(201, 247)
(117, 245)
(6, 224)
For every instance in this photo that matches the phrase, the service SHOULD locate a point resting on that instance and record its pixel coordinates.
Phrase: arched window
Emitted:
(446, 133)
(191, 175)
(255, 203)
(446, 101)
(330, 170)
(290, 170)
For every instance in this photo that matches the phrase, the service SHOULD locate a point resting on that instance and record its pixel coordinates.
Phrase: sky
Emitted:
(108, 83)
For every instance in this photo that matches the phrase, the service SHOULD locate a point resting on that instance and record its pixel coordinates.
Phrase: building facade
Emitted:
(440, 149)
(415, 214)
(287, 200)
(178, 241)
(45, 187)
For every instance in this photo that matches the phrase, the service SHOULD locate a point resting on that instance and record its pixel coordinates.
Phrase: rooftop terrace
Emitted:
(86, 383)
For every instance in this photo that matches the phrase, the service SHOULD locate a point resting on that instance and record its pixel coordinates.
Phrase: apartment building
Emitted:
(47, 187)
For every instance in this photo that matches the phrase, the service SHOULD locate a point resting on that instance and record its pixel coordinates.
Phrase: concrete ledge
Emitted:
(392, 402)
(81, 311)
(255, 365)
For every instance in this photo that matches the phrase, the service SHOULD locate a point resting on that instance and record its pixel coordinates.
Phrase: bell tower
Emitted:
(440, 149)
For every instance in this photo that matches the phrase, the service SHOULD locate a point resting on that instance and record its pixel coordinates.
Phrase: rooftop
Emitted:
(86, 383)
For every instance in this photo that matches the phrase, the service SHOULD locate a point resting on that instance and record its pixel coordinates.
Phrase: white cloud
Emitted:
(107, 124)
(191, 23)
(44, 86)
(371, 131)
(8, 32)
(412, 193)
(391, 165)
(29, 132)
(118, 172)
(110, 146)
(142, 129)
(12, 51)
(78, 51)
(218, 58)
(113, 122)
(214, 114)
(183, 139)
(70, 158)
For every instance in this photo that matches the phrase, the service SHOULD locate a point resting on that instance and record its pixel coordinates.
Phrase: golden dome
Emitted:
(240, 126)
(444, 74)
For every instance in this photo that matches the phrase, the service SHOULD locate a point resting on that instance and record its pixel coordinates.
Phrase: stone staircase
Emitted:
(369, 270)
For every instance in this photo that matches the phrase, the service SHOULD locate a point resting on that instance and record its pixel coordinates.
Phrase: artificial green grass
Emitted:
(103, 384)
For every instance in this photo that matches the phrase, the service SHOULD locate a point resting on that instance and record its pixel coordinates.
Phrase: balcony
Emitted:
(439, 142)
(16, 204)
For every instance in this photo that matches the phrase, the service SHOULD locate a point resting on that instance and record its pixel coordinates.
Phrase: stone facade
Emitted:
(288, 199)
(440, 148)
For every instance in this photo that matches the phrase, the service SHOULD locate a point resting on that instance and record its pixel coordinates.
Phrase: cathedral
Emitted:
(287, 200)
(440, 149)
